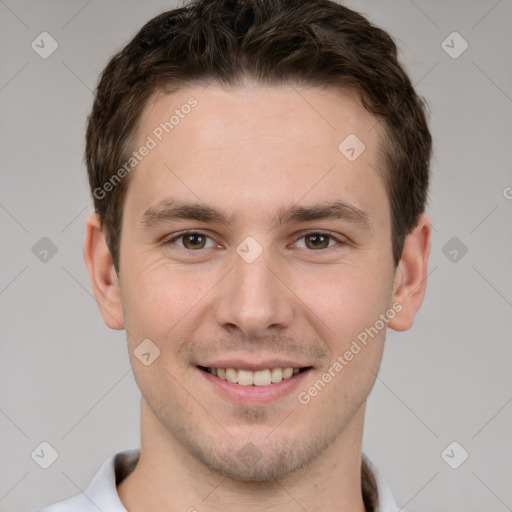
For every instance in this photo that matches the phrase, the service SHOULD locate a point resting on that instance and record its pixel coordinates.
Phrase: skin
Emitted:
(247, 151)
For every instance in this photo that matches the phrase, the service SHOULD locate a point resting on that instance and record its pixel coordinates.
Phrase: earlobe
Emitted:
(411, 275)
(102, 273)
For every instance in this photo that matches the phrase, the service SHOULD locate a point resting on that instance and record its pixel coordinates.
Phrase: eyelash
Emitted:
(302, 235)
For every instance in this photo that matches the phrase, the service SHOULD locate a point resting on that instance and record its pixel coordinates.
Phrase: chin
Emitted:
(261, 460)
(267, 468)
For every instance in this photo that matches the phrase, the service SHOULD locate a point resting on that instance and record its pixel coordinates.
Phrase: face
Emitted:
(256, 255)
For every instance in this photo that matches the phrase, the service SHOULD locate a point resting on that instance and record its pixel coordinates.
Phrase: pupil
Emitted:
(317, 238)
(194, 239)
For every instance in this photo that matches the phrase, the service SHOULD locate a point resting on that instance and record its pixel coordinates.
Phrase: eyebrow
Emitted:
(170, 210)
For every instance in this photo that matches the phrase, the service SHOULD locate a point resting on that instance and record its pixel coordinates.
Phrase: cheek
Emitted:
(154, 301)
(348, 299)
(353, 309)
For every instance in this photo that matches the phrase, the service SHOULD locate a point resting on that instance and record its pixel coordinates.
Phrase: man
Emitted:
(259, 170)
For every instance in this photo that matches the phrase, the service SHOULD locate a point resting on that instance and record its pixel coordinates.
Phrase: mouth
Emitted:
(260, 377)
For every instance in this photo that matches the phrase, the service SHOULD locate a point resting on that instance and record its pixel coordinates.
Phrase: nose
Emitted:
(254, 299)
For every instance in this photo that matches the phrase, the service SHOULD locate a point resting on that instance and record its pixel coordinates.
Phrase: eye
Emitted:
(319, 240)
(196, 240)
(191, 240)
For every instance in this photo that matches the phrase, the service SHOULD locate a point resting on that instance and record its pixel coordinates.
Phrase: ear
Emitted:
(102, 273)
(410, 280)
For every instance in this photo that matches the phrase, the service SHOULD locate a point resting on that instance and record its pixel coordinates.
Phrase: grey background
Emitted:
(66, 378)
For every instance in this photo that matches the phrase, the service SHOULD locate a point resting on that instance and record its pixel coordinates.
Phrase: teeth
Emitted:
(261, 378)
(276, 375)
(231, 375)
(287, 373)
(244, 378)
(257, 378)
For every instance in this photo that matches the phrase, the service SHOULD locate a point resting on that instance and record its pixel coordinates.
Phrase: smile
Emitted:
(263, 377)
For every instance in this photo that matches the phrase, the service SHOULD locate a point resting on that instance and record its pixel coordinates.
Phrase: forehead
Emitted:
(252, 111)
(253, 143)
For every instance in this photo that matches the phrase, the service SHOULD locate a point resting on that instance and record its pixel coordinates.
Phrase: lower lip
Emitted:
(255, 394)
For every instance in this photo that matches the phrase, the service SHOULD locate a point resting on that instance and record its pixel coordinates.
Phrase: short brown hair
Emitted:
(303, 42)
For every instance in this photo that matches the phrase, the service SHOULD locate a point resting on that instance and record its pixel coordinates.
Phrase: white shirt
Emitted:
(101, 494)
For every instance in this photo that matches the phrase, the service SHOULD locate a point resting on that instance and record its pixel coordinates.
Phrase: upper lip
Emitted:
(243, 364)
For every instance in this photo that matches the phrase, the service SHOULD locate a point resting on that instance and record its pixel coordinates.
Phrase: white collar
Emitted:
(102, 492)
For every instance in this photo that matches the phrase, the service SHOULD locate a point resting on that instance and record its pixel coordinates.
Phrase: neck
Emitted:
(168, 477)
